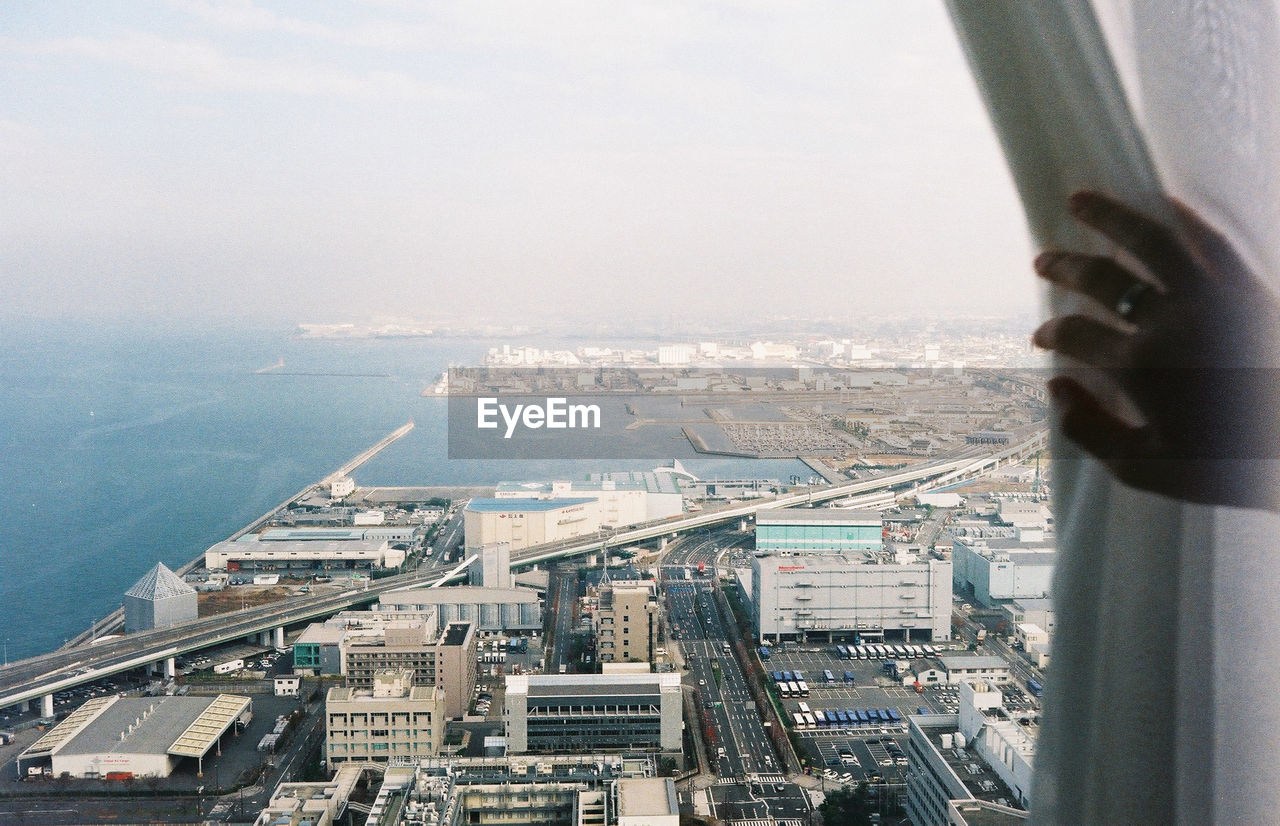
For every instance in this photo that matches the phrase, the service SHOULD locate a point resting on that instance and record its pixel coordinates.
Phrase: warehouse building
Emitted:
(786, 531)
(492, 610)
(596, 712)
(522, 523)
(124, 737)
(998, 571)
(304, 550)
(832, 596)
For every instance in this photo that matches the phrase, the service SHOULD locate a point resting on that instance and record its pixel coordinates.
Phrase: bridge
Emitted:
(39, 677)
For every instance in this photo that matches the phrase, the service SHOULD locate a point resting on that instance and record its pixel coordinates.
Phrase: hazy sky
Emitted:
(330, 162)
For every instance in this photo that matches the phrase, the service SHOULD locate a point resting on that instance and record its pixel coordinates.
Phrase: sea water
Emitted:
(126, 445)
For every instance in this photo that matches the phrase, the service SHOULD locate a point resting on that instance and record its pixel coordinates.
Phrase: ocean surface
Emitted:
(127, 445)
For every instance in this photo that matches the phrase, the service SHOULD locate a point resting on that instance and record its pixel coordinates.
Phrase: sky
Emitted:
(512, 161)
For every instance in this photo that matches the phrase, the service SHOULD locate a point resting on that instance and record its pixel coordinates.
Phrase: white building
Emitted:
(304, 549)
(492, 566)
(593, 712)
(978, 754)
(1001, 570)
(871, 594)
(966, 667)
(523, 523)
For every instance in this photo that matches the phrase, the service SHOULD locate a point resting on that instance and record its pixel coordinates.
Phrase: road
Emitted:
(36, 676)
(743, 750)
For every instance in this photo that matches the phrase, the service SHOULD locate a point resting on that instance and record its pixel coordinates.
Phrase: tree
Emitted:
(847, 807)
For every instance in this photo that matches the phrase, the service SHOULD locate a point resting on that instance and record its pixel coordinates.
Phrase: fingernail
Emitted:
(1042, 337)
(1044, 262)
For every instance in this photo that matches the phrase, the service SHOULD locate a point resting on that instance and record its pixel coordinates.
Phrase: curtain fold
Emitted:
(1161, 703)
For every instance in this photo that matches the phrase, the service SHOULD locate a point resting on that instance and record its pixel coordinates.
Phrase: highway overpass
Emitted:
(38, 677)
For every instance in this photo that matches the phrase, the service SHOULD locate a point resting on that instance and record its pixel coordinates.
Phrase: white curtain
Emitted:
(1163, 700)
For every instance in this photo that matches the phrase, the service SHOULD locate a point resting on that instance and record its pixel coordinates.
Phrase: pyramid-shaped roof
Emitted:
(159, 583)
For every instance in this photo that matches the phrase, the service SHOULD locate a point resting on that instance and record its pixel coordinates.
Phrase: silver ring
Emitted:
(1127, 303)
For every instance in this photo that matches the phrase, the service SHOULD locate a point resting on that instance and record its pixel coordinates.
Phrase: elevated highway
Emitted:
(38, 677)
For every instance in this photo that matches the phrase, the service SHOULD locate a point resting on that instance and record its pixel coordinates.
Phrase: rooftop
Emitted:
(647, 797)
(969, 767)
(519, 504)
(837, 516)
(159, 583)
(951, 662)
(455, 633)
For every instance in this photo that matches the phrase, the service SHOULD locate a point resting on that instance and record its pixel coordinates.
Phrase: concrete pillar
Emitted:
(170, 667)
(279, 640)
(264, 638)
(46, 705)
(662, 543)
(742, 526)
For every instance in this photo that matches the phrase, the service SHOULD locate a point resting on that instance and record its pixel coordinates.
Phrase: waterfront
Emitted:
(126, 446)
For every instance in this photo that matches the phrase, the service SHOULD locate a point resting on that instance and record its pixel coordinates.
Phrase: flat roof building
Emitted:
(798, 596)
(524, 522)
(597, 712)
(818, 530)
(393, 719)
(964, 667)
(549, 790)
(490, 609)
(253, 553)
(1001, 570)
(627, 621)
(978, 754)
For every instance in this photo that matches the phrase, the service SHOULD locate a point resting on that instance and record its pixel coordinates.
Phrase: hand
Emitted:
(1190, 338)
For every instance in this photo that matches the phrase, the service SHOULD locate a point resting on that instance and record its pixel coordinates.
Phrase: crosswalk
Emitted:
(767, 822)
(769, 778)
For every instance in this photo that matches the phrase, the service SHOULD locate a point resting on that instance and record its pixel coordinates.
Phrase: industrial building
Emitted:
(787, 531)
(492, 610)
(597, 712)
(976, 761)
(872, 595)
(522, 523)
(158, 600)
(534, 513)
(1036, 611)
(627, 621)
(998, 571)
(392, 719)
(304, 549)
(560, 790)
(122, 737)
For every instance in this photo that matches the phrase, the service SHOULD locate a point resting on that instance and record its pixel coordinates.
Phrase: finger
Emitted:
(1211, 246)
(1085, 339)
(1153, 243)
(1087, 423)
(1095, 276)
